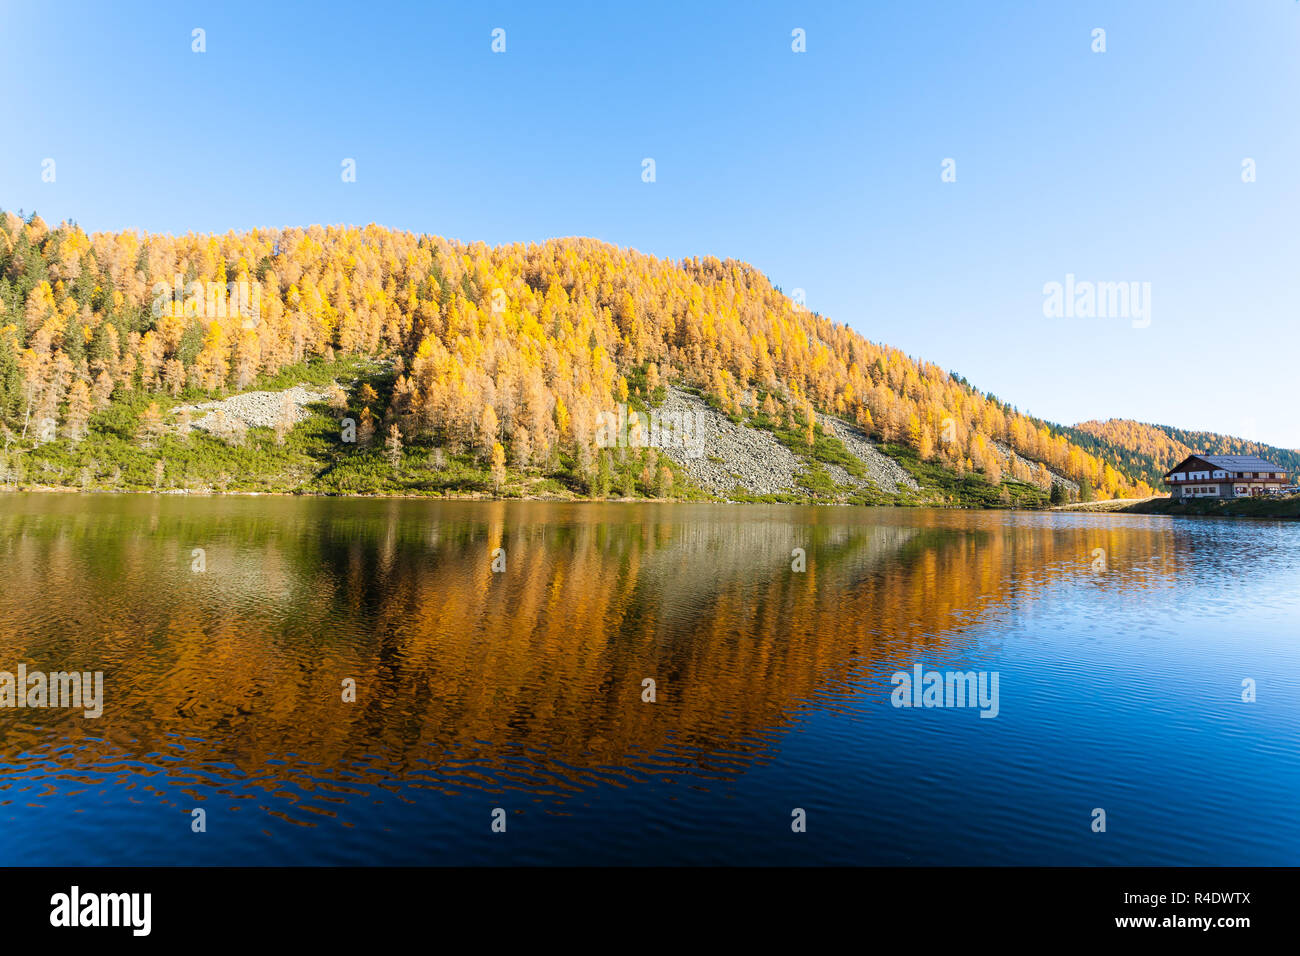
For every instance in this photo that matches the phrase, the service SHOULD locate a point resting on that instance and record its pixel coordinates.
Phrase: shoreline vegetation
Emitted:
(1261, 507)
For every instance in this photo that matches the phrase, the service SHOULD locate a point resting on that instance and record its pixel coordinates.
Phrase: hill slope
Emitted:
(463, 367)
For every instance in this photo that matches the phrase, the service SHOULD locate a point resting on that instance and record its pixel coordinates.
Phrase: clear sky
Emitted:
(821, 168)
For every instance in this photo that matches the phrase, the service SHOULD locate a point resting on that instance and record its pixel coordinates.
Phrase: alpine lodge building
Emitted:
(1223, 476)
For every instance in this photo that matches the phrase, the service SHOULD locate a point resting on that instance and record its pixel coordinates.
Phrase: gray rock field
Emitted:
(256, 409)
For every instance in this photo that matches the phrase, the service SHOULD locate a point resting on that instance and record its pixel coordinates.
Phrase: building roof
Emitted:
(1240, 462)
(1232, 463)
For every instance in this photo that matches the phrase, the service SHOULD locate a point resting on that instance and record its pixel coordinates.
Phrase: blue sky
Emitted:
(822, 168)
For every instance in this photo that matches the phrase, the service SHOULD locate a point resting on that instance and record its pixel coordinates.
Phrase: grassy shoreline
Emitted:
(1196, 507)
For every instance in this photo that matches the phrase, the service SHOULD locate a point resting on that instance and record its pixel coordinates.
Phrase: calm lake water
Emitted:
(1118, 688)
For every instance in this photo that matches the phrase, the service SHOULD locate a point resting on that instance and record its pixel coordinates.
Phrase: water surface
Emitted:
(1119, 688)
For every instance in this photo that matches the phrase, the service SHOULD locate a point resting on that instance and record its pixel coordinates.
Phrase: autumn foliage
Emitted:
(511, 351)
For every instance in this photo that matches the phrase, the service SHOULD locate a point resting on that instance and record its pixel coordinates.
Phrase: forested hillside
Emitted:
(491, 363)
(1149, 451)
